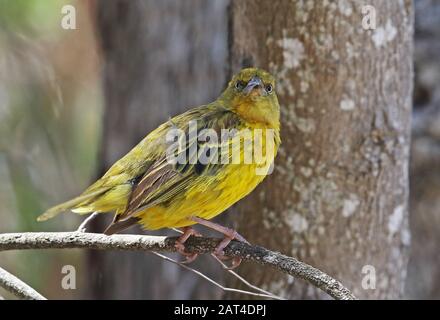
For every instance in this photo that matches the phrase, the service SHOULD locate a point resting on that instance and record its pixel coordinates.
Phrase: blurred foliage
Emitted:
(35, 17)
(50, 110)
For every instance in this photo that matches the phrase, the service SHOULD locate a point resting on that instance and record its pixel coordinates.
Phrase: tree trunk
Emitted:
(159, 60)
(338, 197)
(423, 273)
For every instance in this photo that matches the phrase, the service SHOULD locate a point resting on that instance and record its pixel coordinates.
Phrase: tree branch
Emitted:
(12, 284)
(285, 264)
(215, 283)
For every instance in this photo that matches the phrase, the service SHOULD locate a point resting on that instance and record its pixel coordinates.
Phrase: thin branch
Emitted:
(250, 285)
(14, 285)
(240, 278)
(83, 226)
(285, 264)
(262, 295)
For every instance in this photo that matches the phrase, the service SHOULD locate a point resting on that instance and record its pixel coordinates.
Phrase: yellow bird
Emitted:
(163, 182)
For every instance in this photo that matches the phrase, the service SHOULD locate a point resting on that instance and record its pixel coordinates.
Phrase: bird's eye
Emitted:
(239, 85)
(269, 88)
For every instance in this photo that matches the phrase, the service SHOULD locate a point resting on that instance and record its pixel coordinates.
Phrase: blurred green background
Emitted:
(50, 111)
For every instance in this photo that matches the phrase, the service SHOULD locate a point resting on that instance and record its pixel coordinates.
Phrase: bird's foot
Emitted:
(236, 261)
(180, 244)
(230, 234)
(220, 254)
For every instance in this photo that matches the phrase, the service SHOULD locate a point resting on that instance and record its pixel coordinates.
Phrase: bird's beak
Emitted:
(255, 83)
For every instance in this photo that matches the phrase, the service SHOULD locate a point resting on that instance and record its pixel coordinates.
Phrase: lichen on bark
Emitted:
(338, 194)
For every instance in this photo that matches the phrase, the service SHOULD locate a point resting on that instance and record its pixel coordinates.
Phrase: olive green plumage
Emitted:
(145, 187)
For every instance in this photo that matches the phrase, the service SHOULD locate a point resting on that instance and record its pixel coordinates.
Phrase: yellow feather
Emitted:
(143, 185)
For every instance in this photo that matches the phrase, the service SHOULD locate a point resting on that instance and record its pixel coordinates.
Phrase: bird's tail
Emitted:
(71, 204)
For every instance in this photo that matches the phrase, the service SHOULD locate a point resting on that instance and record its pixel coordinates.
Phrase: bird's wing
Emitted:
(164, 180)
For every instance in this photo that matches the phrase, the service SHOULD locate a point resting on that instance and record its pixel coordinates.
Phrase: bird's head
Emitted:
(251, 94)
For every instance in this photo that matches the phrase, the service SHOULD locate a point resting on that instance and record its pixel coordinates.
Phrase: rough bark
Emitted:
(338, 196)
(160, 58)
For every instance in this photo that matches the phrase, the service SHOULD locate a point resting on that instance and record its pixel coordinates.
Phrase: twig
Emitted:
(262, 295)
(250, 285)
(83, 225)
(285, 264)
(14, 285)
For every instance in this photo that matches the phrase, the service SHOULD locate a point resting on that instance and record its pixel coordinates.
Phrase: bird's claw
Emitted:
(220, 254)
(230, 235)
(180, 244)
(189, 257)
(236, 261)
